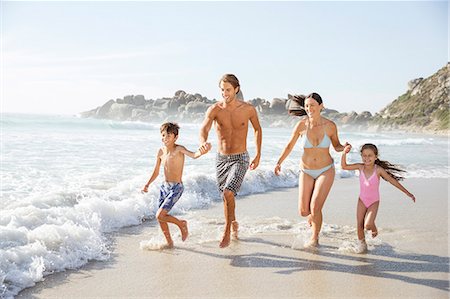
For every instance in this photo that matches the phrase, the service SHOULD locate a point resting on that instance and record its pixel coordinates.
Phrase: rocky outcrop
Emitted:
(424, 107)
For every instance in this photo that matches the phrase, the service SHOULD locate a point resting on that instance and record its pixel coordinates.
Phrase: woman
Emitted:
(317, 167)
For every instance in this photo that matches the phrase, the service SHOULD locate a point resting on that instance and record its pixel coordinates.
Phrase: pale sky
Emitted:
(68, 57)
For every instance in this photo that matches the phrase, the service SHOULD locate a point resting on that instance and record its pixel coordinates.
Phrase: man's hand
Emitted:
(254, 163)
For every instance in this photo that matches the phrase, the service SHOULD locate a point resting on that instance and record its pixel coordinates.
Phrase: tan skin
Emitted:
(231, 117)
(171, 156)
(313, 192)
(365, 217)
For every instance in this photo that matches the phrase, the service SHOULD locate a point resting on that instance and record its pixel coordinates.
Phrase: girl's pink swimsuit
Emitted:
(369, 191)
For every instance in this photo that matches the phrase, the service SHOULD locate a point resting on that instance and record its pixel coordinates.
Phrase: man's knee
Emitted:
(228, 195)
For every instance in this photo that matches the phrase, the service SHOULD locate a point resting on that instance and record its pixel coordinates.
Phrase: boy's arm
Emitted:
(192, 154)
(155, 171)
(396, 183)
(344, 164)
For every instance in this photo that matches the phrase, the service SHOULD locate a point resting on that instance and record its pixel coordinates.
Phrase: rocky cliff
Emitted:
(424, 106)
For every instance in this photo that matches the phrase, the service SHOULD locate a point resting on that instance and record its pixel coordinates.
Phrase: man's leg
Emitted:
(229, 211)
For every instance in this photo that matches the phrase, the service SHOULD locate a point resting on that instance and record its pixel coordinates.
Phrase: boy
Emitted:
(171, 156)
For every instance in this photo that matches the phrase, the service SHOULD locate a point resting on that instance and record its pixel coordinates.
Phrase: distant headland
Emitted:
(424, 108)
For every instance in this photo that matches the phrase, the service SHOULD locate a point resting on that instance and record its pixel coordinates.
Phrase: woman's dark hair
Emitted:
(296, 105)
(316, 97)
(393, 170)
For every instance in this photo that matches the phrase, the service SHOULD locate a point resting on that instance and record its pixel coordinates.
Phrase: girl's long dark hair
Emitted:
(392, 169)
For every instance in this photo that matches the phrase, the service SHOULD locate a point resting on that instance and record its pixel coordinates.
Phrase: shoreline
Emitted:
(408, 259)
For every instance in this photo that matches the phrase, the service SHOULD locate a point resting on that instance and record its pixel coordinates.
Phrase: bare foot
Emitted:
(313, 243)
(234, 229)
(184, 230)
(166, 246)
(309, 220)
(225, 241)
(362, 246)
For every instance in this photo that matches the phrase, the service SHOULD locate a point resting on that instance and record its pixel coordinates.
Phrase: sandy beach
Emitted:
(409, 258)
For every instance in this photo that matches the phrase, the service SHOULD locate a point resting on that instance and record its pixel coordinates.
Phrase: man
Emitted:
(231, 117)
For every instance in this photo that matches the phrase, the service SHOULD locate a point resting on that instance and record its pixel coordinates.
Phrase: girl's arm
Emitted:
(344, 164)
(394, 182)
(193, 155)
(335, 138)
(287, 150)
(155, 170)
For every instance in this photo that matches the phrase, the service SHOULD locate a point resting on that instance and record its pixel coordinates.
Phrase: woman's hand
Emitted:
(277, 169)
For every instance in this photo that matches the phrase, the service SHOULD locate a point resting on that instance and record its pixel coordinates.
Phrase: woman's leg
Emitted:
(305, 190)
(322, 187)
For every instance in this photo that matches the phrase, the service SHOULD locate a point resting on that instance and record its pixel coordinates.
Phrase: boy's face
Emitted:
(168, 138)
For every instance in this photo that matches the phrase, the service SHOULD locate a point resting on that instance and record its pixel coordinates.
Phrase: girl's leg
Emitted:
(369, 224)
(322, 187)
(360, 215)
(163, 217)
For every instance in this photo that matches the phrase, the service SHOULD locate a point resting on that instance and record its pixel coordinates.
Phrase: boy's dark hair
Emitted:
(391, 169)
(170, 128)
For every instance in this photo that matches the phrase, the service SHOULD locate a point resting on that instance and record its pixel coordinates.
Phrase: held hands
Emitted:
(205, 147)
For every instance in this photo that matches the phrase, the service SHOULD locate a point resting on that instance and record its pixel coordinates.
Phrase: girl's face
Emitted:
(312, 107)
(168, 138)
(368, 157)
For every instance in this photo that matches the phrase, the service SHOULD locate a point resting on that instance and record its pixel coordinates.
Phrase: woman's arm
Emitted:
(335, 138)
(287, 150)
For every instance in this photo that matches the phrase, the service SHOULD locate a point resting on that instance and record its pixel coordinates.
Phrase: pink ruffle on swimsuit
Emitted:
(369, 191)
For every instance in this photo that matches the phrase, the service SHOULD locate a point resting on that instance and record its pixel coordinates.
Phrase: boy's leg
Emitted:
(164, 217)
(370, 219)
(166, 232)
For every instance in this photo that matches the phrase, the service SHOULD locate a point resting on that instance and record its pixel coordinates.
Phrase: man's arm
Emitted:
(258, 137)
(205, 128)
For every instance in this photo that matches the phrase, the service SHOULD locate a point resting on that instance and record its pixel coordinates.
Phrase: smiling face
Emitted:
(228, 92)
(368, 157)
(168, 139)
(312, 107)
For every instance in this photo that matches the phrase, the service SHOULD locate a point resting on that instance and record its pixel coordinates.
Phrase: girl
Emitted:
(369, 181)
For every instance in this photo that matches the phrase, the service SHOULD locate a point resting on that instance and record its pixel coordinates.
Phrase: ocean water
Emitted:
(67, 182)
